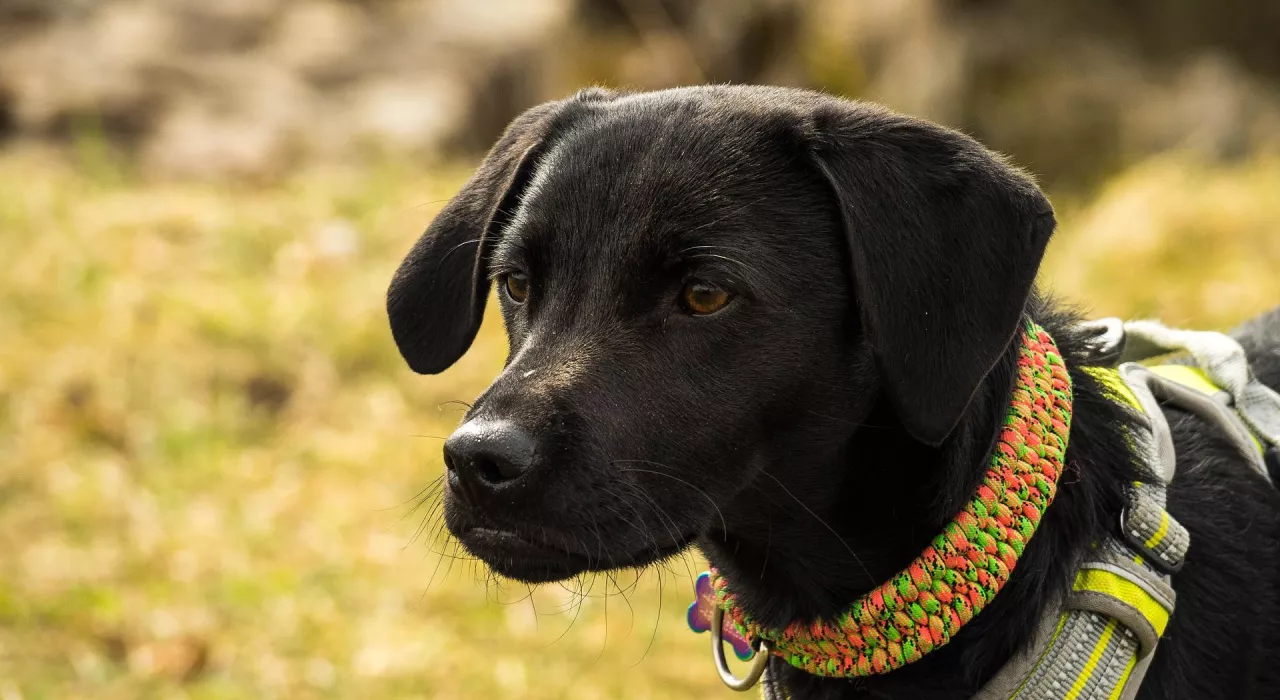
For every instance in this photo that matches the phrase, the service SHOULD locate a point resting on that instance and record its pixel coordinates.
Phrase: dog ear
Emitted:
(436, 299)
(946, 239)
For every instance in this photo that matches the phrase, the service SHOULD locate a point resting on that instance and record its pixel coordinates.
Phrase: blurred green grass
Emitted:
(210, 450)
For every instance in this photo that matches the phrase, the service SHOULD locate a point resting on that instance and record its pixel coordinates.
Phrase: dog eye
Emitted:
(703, 298)
(517, 286)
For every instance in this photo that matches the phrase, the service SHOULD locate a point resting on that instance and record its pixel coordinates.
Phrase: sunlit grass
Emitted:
(210, 451)
(1176, 240)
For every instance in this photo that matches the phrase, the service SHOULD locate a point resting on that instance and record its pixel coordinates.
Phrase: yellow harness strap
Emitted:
(1188, 376)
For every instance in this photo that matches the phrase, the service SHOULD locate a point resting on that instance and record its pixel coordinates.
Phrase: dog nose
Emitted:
(482, 456)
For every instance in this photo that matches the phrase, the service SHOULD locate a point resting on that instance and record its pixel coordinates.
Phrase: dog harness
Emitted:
(1098, 644)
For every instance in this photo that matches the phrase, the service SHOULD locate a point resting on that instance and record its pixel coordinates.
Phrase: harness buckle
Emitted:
(1107, 341)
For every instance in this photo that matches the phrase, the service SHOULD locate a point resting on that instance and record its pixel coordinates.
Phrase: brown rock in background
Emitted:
(254, 87)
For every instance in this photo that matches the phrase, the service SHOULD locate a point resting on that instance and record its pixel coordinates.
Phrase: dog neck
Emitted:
(823, 547)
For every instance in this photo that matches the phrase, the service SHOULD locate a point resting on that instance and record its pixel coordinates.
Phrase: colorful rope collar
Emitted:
(923, 606)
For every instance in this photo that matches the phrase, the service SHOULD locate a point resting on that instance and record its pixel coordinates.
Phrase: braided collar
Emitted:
(923, 606)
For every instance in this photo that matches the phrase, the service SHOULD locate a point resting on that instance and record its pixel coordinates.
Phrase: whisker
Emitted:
(430, 485)
(464, 404)
(749, 273)
(428, 519)
(847, 422)
(430, 494)
(665, 518)
(454, 555)
(822, 522)
(768, 544)
(528, 595)
(577, 611)
(456, 248)
(604, 642)
(735, 212)
(631, 611)
(723, 527)
(637, 522)
(453, 558)
(432, 580)
(419, 206)
(537, 623)
(653, 637)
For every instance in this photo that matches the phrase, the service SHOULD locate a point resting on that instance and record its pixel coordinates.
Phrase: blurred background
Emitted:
(212, 460)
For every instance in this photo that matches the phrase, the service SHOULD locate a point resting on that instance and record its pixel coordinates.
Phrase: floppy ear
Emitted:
(437, 296)
(946, 239)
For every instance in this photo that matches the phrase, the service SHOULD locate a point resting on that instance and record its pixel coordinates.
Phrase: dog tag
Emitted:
(700, 616)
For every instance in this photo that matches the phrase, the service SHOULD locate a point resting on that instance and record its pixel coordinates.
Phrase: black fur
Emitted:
(811, 437)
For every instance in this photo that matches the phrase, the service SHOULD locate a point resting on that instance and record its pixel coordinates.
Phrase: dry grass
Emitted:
(209, 449)
(1174, 239)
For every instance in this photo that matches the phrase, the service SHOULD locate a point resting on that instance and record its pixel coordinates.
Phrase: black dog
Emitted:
(778, 325)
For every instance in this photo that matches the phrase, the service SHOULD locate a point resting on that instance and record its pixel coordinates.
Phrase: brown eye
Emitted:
(703, 298)
(517, 285)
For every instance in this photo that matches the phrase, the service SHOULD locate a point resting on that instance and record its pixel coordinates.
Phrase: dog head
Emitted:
(699, 286)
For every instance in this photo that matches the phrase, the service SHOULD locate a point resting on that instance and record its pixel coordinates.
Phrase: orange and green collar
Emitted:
(923, 606)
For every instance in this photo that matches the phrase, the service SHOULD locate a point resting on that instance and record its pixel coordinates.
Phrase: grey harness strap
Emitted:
(1099, 644)
(1254, 424)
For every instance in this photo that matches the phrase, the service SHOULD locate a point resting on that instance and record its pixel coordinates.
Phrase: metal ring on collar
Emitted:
(758, 663)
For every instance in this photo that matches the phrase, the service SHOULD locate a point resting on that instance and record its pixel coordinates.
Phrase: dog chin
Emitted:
(521, 559)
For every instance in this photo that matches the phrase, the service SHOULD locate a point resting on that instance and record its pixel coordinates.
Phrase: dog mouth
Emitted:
(519, 557)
